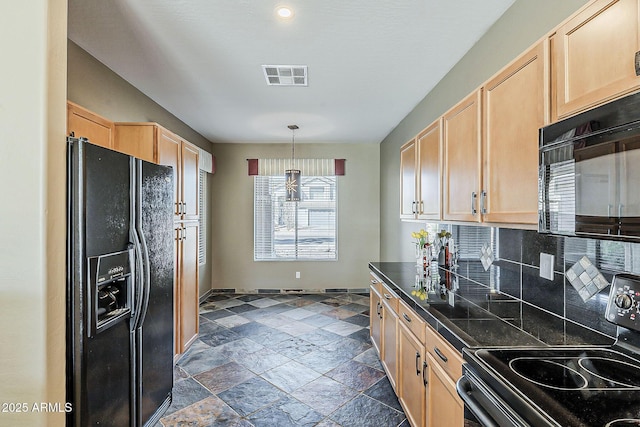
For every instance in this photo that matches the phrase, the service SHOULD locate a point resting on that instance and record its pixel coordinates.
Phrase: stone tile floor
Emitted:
(279, 360)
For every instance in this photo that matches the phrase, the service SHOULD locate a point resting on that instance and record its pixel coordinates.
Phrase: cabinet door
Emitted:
(412, 390)
(169, 155)
(190, 181)
(429, 144)
(188, 285)
(461, 133)
(408, 180)
(593, 55)
(375, 318)
(84, 123)
(177, 251)
(514, 109)
(445, 408)
(390, 347)
(136, 139)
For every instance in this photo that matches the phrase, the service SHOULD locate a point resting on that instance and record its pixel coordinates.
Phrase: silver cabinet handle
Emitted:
(407, 318)
(421, 207)
(184, 208)
(424, 373)
(417, 363)
(413, 207)
(387, 296)
(483, 199)
(373, 281)
(440, 355)
(474, 196)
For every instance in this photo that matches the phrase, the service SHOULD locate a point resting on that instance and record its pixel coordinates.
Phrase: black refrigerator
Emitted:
(120, 272)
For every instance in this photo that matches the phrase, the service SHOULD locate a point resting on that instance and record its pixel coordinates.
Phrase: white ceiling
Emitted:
(370, 61)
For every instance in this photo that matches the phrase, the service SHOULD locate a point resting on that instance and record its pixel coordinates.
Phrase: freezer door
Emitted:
(155, 334)
(98, 364)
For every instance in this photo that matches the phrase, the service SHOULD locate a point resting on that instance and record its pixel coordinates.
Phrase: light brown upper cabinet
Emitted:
(593, 56)
(514, 108)
(420, 163)
(152, 142)
(189, 158)
(84, 123)
(138, 140)
(462, 160)
(408, 180)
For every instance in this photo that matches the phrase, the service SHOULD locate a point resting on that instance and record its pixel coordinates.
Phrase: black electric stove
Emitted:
(562, 386)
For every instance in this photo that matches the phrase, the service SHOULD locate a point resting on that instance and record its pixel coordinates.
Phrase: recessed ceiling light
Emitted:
(284, 12)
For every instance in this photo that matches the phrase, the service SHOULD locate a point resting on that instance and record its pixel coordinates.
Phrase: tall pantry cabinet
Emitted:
(184, 157)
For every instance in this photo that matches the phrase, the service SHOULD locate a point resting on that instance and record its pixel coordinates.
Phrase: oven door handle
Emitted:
(464, 389)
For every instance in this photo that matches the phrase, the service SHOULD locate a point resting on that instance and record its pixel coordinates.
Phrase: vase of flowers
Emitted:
(422, 251)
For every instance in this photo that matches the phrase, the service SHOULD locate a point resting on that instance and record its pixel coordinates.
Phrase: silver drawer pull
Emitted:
(424, 373)
(387, 296)
(440, 355)
(407, 318)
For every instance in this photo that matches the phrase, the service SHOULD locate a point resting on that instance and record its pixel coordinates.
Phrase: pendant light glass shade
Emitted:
(292, 185)
(292, 176)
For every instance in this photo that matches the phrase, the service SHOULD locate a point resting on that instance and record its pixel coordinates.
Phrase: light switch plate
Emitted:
(546, 266)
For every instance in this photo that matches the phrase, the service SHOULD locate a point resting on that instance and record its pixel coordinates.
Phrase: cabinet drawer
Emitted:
(376, 284)
(444, 354)
(411, 320)
(390, 297)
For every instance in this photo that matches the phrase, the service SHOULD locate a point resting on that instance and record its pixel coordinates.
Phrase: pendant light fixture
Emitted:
(292, 175)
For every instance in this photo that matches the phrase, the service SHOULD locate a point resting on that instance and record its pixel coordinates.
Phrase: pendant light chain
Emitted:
(293, 143)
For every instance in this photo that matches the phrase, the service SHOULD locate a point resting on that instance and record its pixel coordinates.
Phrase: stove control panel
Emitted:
(624, 301)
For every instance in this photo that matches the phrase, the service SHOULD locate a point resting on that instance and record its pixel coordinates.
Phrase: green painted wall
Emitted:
(521, 25)
(358, 220)
(94, 86)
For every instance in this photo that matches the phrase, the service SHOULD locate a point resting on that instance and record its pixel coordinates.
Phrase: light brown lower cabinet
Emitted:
(375, 314)
(445, 407)
(186, 286)
(421, 365)
(383, 327)
(411, 382)
(389, 353)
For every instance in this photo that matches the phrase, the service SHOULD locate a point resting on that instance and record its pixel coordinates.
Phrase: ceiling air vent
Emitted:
(285, 75)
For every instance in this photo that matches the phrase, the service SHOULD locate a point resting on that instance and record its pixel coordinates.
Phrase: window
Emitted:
(304, 230)
(202, 200)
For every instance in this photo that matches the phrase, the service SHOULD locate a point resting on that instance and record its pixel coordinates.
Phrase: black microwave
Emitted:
(589, 173)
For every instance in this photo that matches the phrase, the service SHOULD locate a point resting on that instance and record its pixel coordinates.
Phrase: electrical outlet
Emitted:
(546, 266)
(297, 274)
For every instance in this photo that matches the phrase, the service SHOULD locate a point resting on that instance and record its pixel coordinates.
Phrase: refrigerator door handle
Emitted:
(145, 275)
(146, 279)
(139, 271)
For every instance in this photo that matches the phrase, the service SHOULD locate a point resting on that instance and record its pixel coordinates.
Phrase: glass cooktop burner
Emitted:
(573, 386)
(548, 373)
(624, 423)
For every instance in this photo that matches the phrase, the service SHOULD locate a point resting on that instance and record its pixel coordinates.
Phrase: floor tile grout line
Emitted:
(295, 304)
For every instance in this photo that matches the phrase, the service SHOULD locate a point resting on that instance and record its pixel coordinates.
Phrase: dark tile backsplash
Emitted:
(516, 272)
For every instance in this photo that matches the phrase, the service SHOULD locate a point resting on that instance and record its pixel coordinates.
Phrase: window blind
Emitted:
(202, 201)
(604, 254)
(304, 230)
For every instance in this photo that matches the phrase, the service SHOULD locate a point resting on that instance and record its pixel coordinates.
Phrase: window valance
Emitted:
(308, 167)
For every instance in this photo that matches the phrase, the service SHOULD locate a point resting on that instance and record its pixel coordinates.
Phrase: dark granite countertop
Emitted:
(469, 313)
